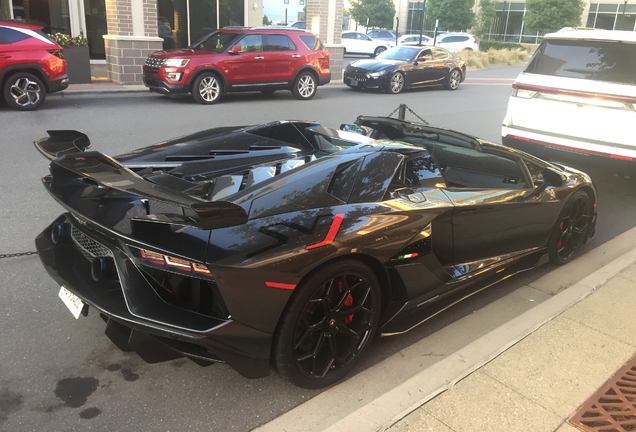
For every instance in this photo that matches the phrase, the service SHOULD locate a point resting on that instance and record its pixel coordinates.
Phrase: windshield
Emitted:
(214, 42)
(399, 53)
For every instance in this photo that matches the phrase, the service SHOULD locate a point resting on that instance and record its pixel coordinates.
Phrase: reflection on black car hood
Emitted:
(374, 64)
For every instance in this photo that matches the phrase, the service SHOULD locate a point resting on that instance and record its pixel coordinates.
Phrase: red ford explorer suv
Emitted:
(235, 59)
(31, 65)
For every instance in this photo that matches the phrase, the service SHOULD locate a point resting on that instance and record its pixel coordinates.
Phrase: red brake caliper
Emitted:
(347, 303)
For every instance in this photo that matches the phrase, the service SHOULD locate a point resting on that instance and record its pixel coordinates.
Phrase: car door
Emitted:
(282, 58)
(500, 210)
(246, 66)
(364, 44)
(425, 70)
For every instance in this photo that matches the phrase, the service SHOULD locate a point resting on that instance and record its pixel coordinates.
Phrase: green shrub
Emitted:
(480, 59)
(485, 45)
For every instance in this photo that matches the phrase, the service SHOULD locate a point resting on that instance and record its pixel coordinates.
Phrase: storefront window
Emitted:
(614, 16)
(96, 28)
(52, 15)
(173, 19)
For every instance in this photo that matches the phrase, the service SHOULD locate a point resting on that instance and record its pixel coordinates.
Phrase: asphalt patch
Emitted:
(74, 392)
(9, 403)
(129, 375)
(90, 413)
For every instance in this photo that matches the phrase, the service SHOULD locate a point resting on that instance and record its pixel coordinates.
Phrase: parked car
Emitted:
(405, 67)
(455, 42)
(358, 43)
(577, 94)
(413, 39)
(388, 36)
(236, 59)
(299, 24)
(31, 65)
(292, 244)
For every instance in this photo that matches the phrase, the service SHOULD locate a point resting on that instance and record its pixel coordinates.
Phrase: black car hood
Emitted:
(375, 65)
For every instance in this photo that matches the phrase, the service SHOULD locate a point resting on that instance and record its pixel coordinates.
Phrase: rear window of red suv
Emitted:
(312, 42)
(8, 35)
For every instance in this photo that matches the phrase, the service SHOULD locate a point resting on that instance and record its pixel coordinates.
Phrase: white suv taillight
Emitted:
(523, 92)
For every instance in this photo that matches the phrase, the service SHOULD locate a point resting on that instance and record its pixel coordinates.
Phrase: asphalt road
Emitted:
(59, 373)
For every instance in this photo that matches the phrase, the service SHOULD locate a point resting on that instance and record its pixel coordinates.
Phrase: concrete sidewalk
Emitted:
(540, 382)
(530, 374)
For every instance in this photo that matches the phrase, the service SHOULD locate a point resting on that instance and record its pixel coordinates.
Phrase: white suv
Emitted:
(455, 42)
(578, 93)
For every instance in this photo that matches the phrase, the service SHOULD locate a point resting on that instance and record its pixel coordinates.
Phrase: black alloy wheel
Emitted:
(571, 228)
(305, 86)
(378, 50)
(207, 89)
(454, 79)
(396, 83)
(24, 91)
(329, 322)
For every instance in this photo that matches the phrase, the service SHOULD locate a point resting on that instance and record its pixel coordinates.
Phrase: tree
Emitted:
(379, 13)
(547, 16)
(453, 15)
(266, 20)
(485, 17)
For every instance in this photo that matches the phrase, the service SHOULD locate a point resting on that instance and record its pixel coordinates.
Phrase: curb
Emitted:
(384, 411)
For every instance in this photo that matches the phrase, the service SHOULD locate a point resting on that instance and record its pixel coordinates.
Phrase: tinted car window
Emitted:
(440, 55)
(312, 42)
(386, 34)
(348, 36)
(586, 59)
(279, 43)
(11, 36)
(251, 43)
(373, 33)
(214, 42)
(420, 171)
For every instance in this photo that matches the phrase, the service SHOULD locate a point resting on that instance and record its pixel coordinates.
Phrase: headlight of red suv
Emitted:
(176, 62)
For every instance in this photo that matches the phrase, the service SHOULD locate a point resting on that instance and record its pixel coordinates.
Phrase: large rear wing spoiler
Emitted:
(62, 142)
(104, 171)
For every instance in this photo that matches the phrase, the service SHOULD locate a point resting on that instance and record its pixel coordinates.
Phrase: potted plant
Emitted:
(78, 63)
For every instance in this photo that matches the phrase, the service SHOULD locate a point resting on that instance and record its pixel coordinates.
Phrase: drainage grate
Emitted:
(613, 407)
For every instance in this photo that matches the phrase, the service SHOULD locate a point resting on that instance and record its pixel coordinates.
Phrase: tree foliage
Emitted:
(551, 15)
(485, 17)
(380, 13)
(453, 15)
(266, 20)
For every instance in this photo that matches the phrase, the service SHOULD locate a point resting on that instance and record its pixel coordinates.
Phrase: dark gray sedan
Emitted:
(406, 67)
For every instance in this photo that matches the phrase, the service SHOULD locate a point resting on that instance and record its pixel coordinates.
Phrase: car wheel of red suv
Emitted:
(207, 89)
(305, 86)
(24, 91)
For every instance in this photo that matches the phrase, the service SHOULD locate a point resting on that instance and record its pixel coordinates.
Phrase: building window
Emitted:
(302, 2)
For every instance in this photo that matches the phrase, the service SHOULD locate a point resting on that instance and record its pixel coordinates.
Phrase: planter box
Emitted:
(78, 64)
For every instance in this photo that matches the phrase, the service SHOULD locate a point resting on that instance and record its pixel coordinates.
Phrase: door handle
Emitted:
(296, 56)
(259, 58)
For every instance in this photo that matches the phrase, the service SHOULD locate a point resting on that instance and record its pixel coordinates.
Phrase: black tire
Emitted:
(453, 80)
(24, 91)
(570, 229)
(396, 83)
(378, 50)
(207, 89)
(305, 86)
(327, 324)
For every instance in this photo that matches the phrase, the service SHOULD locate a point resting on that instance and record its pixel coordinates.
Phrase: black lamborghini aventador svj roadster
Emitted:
(291, 245)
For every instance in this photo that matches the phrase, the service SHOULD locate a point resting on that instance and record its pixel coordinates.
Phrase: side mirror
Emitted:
(351, 127)
(236, 49)
(553, 178)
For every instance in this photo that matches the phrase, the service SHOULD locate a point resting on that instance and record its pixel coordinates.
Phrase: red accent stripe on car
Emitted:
(552, 90)
(280, 285)
(331, 234)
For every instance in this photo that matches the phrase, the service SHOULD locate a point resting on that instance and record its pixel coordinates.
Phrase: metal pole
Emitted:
(503, 15)
(397, 26)
(422, 20)
(623, 16)
(506, 27)
(402, 112)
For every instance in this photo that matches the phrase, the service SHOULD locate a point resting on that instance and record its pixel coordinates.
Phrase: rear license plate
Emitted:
(72, 302)
(354, 82)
